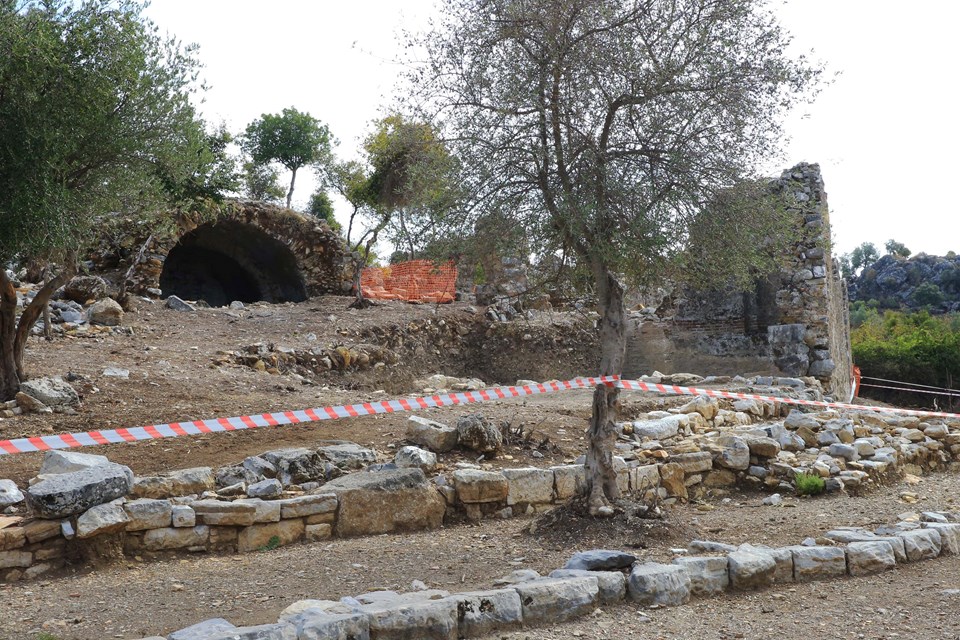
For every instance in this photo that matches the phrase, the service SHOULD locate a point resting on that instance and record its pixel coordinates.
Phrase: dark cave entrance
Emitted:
(226, 261)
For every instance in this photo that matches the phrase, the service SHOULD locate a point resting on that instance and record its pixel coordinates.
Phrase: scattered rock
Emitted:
(479, 434)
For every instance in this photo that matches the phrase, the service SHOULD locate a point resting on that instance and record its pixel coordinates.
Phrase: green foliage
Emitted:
(262, 182)
(320, 206)
(861, 312)
(927, 295)
(94, 117)
(914, 347)
(272, 544)
(898, 249)
(863, 256)
(809, 484)
(291, 138)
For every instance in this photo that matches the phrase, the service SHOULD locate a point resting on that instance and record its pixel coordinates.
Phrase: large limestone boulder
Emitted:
(106, 312)
(374, 502)
(68, 494)
(83, 289)
(53, 392)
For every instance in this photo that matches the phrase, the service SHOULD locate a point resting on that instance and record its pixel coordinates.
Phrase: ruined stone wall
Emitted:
(795, 322)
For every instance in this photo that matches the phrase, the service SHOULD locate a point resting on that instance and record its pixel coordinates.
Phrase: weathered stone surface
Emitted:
(600, 560)
(269, 488)
(661, 428)
(475, 486)
(296, 466)
(796, 419)
(720, 478)
(53, 392)
(763, 447)
(479, 434)
(183, 482)
(750, 570)
(413, 619)
(202, 630)
(348, 455)
(708, 575)
(864, 558)
(949, 536)
(732, 452)
(106, 312)
(663, 584)
(557, 599)
(384, 501)
(319, 625)
(183, 516)
(817, 562)
(706, 407)
(12, 538)
(316, 532)
(672, 479)
(177, 304)
(146, 513)
(695, 462)
(15, 559)
(303, 506)
(529, 486)
(216, 512)
(275, 631)
(265, 510)
(921, 544)
(710, 546)
(569, 480)
(83, 289)
(486, 612)
(67, 494)
(612, 584)
(432, 435)
(68, 461)
(415, 457)
(176, 538)
(40, 530)
(272, 534)
(9, 493)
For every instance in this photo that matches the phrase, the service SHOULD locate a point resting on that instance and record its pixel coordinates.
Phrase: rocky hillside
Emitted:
(918, 282)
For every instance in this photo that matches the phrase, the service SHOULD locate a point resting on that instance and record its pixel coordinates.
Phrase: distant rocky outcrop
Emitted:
(918, 282)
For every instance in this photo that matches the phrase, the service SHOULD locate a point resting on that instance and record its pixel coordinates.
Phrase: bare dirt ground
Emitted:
(171, 378)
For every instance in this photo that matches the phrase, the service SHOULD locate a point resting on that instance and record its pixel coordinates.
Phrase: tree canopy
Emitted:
(895, 248)
(603, 127)
(291, 138)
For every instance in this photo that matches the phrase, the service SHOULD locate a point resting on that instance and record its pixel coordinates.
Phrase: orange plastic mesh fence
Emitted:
(413, 281)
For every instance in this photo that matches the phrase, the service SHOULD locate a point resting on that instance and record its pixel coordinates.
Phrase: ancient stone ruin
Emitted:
(793, 323)
(252, 251)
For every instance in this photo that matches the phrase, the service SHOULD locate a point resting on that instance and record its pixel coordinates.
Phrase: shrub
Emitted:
(809, 484)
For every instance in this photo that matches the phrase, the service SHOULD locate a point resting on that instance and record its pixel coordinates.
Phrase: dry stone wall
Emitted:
(793, 323)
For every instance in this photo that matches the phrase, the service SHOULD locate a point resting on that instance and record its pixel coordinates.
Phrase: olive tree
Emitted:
(603, 127)
(94, 118)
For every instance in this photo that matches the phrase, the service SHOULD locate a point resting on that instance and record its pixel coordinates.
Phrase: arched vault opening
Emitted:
(230, 260)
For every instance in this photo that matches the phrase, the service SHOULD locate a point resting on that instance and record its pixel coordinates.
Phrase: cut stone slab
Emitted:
(68, 494)
(921, 544)
(600, 560)
(216, 512)
(269, 488)
(273, 534)
(696, 462)
(751, 570)
(68, 461)
(314, 624)
(474, 486)
(949, 536)
(413, 619)
(661, 584)
(9, 493)
(569, 480)
(266, 510)
(661, 428)
(864, 558)
(176, 538)
(415, 457)
(15, 559)
(276, 631)
(183, 516)
(432, 435)
(529, 486)
(53, 392)
(818, 562)
(672, 479)
(202, 630)
(310, 505)
(349, 455)
(708, 574)
(612, 584)
(782, 558)
(146, 513)
(481, 613)
(374, 502)
(557, 599)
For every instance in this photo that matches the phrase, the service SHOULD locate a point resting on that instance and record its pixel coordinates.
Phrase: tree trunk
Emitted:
(293, 180)
(33, 311)
(601, 475)
(9, 380)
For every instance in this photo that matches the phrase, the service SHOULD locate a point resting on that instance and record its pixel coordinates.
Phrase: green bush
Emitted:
(809, 484)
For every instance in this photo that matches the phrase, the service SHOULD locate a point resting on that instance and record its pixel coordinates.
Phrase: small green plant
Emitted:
(809, 484)
(43, 635)
(272, 544)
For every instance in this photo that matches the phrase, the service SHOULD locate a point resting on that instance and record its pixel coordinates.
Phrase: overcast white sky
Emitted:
(886, 133)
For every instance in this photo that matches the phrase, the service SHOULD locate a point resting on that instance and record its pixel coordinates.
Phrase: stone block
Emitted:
(612, 584)
(15, 559)
(921, 544)
(181, 515)
(529, 486)
(569, 480)
(949, 536)
(176, 538)
(56, 461)
(557, 599)
(183, 482)
(660, 428)
(68, 494)
(319, 625)
(661, 584)
(53, 392)
(751, 570)
(672, 479)
(600, 560)
(12, 538)
(265, 510)
(9, 493)
(348, 455)
(416, 457)
(864, 558)
(474, 486)
(269, 488)
(645, 477)
(273, 534)
(317, 532)
(310, 505)
(732, 452)
(709, 575)
(413, 619)
(481, 613)
(202, 630)
(276, 631)
(432, 435)
(146, 513)
(101, 520)
(219, 513)
(696, 462)
(374, 502)
(817, 562)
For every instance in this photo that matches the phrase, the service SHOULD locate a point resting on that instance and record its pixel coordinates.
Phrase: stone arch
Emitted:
(248, 251)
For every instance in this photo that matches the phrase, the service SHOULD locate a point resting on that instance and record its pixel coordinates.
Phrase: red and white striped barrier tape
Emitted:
(216, 425)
